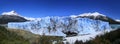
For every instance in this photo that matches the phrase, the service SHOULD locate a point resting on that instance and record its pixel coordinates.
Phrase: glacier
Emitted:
(57, 26)
(84, 28)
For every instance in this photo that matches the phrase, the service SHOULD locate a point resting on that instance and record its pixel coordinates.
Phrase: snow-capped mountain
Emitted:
(11, 13)
(98, 16)
(11, 16)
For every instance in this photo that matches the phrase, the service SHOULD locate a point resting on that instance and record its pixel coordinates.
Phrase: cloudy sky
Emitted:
(43, 8)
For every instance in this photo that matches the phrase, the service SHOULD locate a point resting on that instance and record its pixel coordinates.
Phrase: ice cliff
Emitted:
(58, 26)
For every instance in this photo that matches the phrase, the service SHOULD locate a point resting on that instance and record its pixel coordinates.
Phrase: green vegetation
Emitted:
(7, 37)
(36, 39)
(17, 36)
(32, 38)
(50, 39)
(112, 37)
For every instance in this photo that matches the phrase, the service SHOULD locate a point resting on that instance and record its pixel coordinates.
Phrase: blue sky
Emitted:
(43, 8)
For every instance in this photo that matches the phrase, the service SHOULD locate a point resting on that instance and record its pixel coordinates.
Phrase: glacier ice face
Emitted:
(57, 26)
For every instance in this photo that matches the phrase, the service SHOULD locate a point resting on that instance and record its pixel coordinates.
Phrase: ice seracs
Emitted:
(10, 13)
(62, 25)
(85, 28)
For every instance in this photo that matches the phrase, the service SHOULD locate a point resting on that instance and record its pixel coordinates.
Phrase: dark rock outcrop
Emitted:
(4, 19)
(102, 18)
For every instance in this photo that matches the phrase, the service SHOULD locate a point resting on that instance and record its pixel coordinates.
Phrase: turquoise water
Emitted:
(115, 26)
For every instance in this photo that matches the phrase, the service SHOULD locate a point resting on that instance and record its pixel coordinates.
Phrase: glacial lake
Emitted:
(115, 26)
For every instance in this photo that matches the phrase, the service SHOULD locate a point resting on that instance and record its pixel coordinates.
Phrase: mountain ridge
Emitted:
(98, 16)
(11, 16)
(94, 16)
(4, 19)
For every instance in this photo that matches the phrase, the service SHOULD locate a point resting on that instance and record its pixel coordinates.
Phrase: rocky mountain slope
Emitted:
(11, 17)
(98, 16)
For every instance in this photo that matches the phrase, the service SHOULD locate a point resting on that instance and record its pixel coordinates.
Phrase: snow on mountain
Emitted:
(32, 19)
(91, 14)
(11, 16)
(98, 16)
(14, 13)
(95, 16)
(10, 13)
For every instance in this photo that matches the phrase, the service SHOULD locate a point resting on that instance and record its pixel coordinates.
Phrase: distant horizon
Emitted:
(44, 8)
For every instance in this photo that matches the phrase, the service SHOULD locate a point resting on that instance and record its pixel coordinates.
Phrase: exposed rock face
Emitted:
(4, 19)
(103, 18)
(11, 16)
(98, 16)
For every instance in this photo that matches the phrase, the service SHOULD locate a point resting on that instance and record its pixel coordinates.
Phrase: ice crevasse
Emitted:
(56, 26)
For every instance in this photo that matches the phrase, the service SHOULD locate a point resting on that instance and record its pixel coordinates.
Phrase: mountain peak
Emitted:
(13, 12)
(92, 14)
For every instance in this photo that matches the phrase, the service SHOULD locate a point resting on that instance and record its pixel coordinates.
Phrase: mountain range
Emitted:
(98, 16)
(13, 16)
(75, 27)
